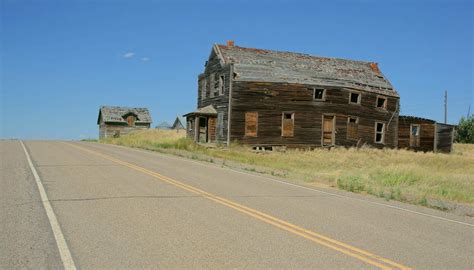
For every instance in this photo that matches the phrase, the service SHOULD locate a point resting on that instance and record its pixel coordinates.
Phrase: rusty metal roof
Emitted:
(276, 66)
(114, 114)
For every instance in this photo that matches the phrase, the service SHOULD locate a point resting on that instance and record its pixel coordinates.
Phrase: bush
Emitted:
(465, 133)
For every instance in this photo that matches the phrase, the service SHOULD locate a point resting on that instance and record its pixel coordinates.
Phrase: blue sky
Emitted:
(61, 61)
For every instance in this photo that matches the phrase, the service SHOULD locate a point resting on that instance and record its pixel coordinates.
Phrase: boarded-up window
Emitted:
(352, 128)
(379, 132)
(251, 124)
(203, 88)
(328, 130)
(211, 85)
(220, 124)
(131, 120)
(287, 124)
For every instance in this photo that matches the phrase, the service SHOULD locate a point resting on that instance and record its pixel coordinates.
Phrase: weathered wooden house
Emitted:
(422, 134)
(270, 98)
(116, 121)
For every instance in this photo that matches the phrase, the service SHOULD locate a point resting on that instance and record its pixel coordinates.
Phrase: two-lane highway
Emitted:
(126, 208)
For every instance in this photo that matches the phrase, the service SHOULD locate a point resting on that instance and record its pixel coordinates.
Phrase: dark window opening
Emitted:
(378, 138)
(379, 132)
(319, 94)
(355, 98)
(381, 103)
(221, 85)
(202, 122)
(288, 124)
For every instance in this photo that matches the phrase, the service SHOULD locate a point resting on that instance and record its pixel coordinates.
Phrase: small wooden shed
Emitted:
(115, 121)
(421, 134)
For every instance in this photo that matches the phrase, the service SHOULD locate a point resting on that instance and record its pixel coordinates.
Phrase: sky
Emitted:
(61, 60)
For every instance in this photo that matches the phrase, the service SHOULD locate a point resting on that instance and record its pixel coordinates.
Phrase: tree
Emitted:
(466, 130)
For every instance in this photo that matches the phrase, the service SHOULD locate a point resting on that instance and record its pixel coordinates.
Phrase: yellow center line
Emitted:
(349, 250)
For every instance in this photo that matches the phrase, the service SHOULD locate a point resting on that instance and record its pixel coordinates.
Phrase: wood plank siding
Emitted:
(117, 121)
(444, 138)
(432, 136)
(209, 93)
(271, 100)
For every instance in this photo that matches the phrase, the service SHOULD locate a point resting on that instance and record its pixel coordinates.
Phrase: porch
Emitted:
(201, 124)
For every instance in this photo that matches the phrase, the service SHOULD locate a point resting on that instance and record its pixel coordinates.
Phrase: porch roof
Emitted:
(208, 110)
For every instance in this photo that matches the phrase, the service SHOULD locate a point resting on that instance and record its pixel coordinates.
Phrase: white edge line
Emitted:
(290, 184)
(64, 252)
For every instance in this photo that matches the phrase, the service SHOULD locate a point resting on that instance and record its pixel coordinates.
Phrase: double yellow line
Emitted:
(354, 252)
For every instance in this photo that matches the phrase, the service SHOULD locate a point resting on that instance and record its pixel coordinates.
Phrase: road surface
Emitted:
(93, 206)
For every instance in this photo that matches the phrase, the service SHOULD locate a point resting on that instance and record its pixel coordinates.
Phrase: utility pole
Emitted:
(445, 106)
(469, 111)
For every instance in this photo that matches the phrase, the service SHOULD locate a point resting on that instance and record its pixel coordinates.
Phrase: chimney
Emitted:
(230, 43)
(375, 67)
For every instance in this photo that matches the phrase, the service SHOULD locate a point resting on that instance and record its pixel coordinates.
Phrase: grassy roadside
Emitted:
(418, 178)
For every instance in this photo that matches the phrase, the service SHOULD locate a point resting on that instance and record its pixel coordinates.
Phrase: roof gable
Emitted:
(275, 66)
(177, 124)
(114, 114)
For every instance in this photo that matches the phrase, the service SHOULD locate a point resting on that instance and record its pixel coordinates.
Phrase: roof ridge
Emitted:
(297, 53)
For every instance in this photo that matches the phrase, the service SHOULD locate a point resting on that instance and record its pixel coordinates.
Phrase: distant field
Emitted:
(418, 178)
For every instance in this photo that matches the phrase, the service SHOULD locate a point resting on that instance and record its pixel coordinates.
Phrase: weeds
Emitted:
(391, 174)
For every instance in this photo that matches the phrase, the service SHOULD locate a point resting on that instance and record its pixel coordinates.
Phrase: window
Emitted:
(354, 98)
(319, 94)
(203, 88)
(216, 84)
(352, 128)
(251, 124)
(131, 120)
(211, 85)
(379, 132)
(287, 124)
(381, 103)
(190, 125)
(415, 135)
(221, 85)
(220, 124)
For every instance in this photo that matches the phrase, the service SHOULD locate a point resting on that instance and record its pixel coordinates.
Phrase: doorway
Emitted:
(328, 137)
(202, 135)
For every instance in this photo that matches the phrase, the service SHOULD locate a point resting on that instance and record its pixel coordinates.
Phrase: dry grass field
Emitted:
(401, 175)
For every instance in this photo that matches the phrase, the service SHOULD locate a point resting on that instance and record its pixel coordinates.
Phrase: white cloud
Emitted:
(128, 55)
(145, 59)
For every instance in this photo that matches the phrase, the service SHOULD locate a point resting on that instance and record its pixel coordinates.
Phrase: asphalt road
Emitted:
(121, 208)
